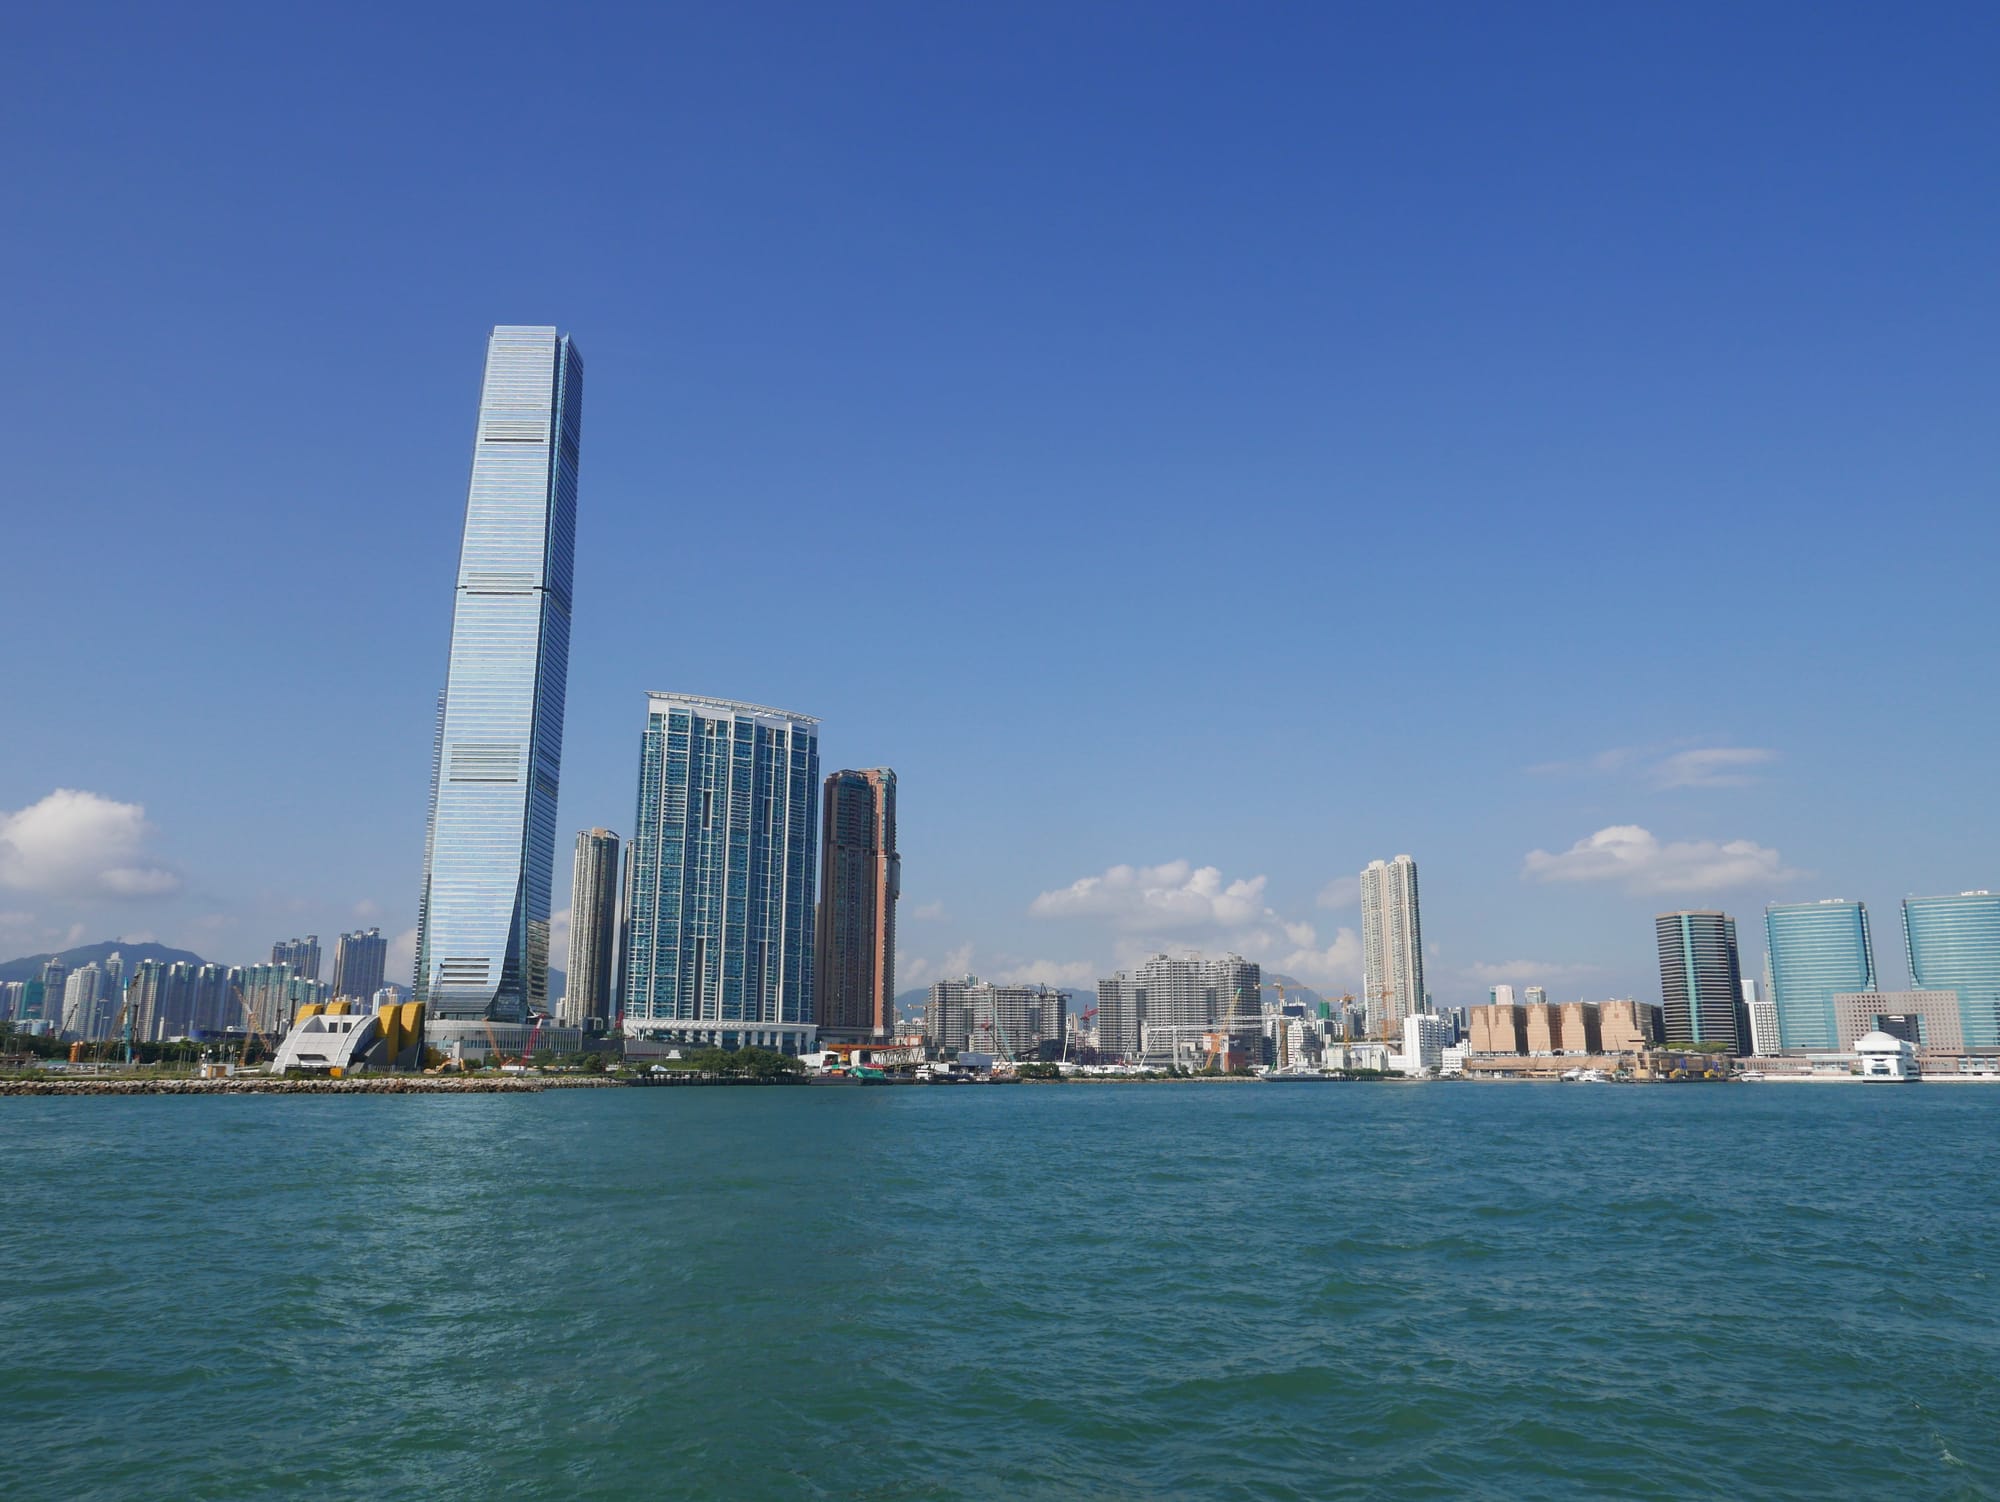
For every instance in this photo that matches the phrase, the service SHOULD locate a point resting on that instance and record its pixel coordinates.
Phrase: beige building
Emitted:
(1565, 1027)
(1582, 1031)
(1628, 1026)
(1932, 1018)
(1499, 1028)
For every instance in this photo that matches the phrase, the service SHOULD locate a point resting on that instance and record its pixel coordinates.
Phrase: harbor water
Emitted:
(1067, 1291)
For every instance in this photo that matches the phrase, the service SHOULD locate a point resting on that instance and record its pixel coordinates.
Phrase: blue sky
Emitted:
(1230, 442)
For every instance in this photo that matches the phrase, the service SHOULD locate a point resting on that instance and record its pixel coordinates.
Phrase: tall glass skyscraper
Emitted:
(1954, 945)
(483, 918)
(1701, 979)
(720, 886)
(860, 878)
(1817, 951)
(593, 930)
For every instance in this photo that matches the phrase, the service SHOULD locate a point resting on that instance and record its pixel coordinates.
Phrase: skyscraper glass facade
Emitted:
(854, 966)
(1954, 944)
(720, 896)
(1817, 951)
(1701, 980)
(483, 917)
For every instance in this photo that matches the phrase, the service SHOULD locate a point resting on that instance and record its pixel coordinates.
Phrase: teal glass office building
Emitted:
(719, 905)
(483, 917)
(1817, 950)
(1954, 945)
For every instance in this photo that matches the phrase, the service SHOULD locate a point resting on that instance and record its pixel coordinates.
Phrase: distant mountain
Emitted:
(1295, 990)
(29, 967)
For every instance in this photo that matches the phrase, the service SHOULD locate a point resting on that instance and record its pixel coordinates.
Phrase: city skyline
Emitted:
(1267, 392)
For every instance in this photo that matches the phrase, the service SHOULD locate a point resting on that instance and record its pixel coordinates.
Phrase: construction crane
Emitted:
(1081, 1019)
(996, 1038)
(121, 1032)
(250, 1032)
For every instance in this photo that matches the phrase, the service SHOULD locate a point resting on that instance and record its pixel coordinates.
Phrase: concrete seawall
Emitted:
(265, 1085)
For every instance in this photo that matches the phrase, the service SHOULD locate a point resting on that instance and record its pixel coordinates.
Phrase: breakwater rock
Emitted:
(255, 1084)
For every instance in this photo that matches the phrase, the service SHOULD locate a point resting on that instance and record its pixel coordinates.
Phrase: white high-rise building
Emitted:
(1763, 1018)
(1424, 1042)
(1162, 1008)
(1500, 996)
(79, 1003)
(1011, 1021)
(1392, 944)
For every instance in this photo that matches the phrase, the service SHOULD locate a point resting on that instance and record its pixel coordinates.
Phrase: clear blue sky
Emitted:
(1264, 437)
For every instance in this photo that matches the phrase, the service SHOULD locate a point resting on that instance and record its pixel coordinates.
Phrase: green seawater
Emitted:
(1192, 1291)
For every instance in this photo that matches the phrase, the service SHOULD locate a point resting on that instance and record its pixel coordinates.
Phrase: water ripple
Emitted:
(1183, 1292)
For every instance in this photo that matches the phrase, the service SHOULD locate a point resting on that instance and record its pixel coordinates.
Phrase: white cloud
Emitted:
(1180, 906)
(920, 970)
(1636, 859)
(1664, 767)
(930, 912)
(401, 963)
(1341, 892)
(78, 844)
(367, 908)
(1335, 966)
(1073, 973)
(1177, 896)
(1710, 767)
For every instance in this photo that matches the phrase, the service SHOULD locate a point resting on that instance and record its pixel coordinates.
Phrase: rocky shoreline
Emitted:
(409, 1084)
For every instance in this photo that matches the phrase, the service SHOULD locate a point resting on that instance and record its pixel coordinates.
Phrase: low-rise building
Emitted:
(1626, 1026)
(1499, 1027)
(1928, 1019)
(1566, 1027)
(1424, 1041)
(1886, 1058)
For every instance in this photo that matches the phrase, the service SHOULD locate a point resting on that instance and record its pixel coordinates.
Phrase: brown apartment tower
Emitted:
(860, 878)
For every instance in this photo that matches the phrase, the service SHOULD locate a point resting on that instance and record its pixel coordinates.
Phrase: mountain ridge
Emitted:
(29, 966)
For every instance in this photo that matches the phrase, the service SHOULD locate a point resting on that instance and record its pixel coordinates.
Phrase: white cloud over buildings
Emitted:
(1638, 860)
(75, 844)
